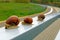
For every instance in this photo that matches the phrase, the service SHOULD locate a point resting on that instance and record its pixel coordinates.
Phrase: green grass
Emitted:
(19, 9)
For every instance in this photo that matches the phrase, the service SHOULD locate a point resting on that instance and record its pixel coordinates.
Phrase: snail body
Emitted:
(41, 17)
(12, 21)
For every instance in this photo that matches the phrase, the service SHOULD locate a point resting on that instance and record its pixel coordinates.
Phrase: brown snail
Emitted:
(41, 17)
(12, 22)
(28, 20)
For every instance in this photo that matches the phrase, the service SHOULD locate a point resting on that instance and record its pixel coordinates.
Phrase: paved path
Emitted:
(50, 32)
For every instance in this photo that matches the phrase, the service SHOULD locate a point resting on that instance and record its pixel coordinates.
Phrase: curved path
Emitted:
(49, 33)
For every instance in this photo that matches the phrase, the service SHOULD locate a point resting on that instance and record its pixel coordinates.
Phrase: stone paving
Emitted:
(49, 33)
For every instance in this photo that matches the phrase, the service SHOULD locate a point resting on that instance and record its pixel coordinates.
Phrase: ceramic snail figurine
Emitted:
(41, 17)
(27, 20)
(12, 22)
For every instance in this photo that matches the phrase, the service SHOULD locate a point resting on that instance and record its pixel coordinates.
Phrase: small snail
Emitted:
(41, 17)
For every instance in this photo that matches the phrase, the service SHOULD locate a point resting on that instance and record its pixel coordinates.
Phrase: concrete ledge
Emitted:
(38, 29)
(25, 32)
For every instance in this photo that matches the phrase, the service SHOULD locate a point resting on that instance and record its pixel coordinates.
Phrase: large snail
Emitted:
(12, 22)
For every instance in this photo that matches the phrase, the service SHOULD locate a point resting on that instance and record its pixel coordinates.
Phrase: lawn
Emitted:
(19, 9)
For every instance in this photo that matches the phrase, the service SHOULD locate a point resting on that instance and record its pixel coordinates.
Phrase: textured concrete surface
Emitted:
(50, 32)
